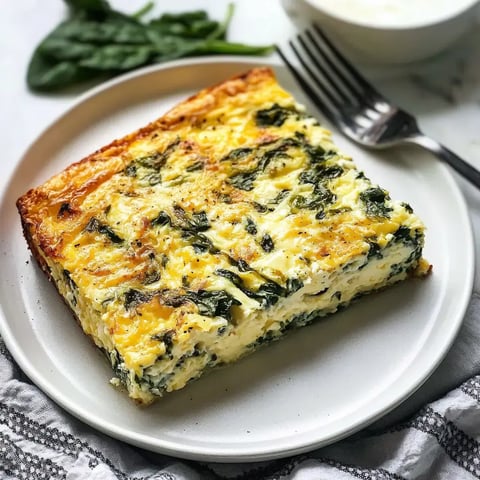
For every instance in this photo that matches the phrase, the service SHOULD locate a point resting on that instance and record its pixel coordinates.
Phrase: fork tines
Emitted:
(330, 80)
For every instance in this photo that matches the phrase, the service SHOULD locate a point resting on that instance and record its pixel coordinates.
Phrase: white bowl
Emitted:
(389, 43)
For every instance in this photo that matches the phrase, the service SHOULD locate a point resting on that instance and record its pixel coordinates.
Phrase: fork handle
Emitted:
(443, 153)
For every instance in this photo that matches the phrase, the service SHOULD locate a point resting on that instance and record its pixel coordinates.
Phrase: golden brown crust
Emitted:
(61, 194)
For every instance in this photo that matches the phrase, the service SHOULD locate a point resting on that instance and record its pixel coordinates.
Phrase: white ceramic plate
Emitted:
(315, 386)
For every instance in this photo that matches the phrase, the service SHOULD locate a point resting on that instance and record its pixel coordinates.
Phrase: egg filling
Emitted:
(215, 230)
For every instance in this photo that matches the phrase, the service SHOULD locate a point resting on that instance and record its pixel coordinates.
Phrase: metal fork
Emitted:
(356, 107)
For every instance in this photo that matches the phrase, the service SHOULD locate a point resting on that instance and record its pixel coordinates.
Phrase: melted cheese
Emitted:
(213, 230)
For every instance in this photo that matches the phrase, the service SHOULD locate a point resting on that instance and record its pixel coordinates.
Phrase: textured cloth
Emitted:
(40, 441)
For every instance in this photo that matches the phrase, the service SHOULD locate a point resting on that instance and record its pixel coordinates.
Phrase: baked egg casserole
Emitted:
(212, 231)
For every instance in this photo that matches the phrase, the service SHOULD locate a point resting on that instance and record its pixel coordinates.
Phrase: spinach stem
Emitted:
(143, 10)
(224, 47)
(221, 30)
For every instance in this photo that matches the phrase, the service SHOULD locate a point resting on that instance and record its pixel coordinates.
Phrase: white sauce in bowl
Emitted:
(393, 13)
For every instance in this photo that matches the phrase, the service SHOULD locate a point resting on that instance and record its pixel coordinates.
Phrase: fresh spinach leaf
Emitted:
(92, 7)
(65, 49)
(117, 58)
(101, 33)
(97, 42)
(44, 74)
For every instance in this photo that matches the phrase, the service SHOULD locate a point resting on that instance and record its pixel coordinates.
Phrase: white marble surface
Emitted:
(444, 92)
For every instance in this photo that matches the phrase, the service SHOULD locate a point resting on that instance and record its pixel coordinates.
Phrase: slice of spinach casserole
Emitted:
(215, 229)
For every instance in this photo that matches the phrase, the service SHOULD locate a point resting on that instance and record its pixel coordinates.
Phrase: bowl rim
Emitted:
(405, 27)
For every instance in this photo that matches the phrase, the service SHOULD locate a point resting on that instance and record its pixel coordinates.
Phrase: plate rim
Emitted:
(204, 453)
